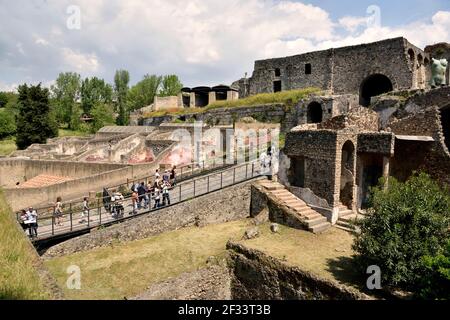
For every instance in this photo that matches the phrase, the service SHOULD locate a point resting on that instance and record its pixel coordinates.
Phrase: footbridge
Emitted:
(99, 216)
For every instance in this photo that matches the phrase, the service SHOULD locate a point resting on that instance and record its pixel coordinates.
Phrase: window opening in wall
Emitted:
(277, 72)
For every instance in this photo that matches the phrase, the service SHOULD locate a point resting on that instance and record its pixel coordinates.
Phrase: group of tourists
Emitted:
(28, 220)
(159, 191)
(142, 196)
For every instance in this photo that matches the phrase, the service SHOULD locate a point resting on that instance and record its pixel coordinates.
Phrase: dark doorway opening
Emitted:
(297, 172)
(372, 86)
(221, 95)
(370, 177)
(308, 68)
(186, 100)
(347, 174)
(277, 86)
(445, 120)
(201, 99)
(315, 113)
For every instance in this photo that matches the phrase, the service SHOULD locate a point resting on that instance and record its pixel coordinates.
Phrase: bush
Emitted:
(436, 282)
(408, 221)
(7, 124)
(103, 115)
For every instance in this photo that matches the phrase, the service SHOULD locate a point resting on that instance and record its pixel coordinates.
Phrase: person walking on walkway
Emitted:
(59, 211)
(134, 202)
(85, 211)
(32, 222)
(23, 218)
(141, 193)
(156, 196)
(173, 178)
(166, 195)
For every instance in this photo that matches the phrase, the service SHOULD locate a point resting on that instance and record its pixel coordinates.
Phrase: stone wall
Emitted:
(166, 103)
(19, 170)
(318, 149)
(229, 204)
(257, 276)
(341, 70)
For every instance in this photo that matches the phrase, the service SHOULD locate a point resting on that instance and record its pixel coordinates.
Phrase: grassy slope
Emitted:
(287, 97)
(127, 269)
(7, 146)
(71, 133)
(18, 276)
(328, 255)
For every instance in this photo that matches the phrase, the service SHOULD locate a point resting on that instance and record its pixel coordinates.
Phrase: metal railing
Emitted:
(101, 214)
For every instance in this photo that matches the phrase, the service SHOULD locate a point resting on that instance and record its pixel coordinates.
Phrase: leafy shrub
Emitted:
(7, 124)
(436, 282)
(408, 221)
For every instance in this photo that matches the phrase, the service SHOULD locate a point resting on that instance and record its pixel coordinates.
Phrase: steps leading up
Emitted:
(314, 221)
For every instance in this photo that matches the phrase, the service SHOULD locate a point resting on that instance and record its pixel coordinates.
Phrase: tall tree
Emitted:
(66, 93)
(103, 115)
(3, 99)
(143, 93)
(95, 91)
(121, 80)
(34, 122)
(171, 86)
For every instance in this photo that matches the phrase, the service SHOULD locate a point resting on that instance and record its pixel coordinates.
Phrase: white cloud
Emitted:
(203, 41)
(84, 63)
(352, 24)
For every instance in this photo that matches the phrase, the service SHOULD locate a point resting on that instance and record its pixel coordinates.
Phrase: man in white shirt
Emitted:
(32, 222)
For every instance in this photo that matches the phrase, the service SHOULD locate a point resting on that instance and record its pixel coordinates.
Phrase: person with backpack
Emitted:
(141, 190)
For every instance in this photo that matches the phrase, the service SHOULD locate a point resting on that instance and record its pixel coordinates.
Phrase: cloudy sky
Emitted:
(203, 41)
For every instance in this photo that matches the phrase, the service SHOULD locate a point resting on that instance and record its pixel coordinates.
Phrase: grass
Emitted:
(71, 133)
(125, 270)
(18, 276)
(7, 146)
(288, 98)
(328, 255)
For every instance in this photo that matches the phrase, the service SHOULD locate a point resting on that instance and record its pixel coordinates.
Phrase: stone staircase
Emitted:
(347, 219)
(315, 222)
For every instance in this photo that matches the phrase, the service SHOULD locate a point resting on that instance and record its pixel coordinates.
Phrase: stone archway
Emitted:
(372, 86)
(347, 174)
(314, 113)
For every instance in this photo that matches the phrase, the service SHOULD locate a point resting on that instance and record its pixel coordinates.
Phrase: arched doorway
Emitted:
(315, 113)
(347, 174)
(372, 86)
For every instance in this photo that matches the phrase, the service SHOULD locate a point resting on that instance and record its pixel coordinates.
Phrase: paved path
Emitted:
(181, 192)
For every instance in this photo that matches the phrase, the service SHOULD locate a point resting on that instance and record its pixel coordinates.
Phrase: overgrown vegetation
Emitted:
(18, 276)
(406, 235)
(7, 146)
(289, 98)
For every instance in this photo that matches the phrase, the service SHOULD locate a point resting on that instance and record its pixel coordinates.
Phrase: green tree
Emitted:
(34, 122)
(408, 221)
(121, 80)
(143, 93)
(171, 86)
(3, 99)
(103, 115)
(93, 91)
(7, 124)
(66, 93)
